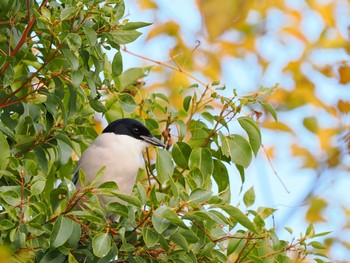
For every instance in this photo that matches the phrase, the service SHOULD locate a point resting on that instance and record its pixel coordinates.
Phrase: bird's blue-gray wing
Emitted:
(76, 176)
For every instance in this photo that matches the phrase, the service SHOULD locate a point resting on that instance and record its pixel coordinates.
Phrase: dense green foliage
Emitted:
(55, 75)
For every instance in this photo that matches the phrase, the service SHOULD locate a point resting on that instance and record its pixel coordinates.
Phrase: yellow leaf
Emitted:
(170, 28)
(333, 158)
(325, 137)
(98, 126)
(148, 4)
(270, 152)
(296, 33)
(222, 15)
(314, 214)
(278, 126)
(309, 160)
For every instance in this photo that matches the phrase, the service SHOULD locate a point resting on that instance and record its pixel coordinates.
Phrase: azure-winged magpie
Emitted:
(117, 149)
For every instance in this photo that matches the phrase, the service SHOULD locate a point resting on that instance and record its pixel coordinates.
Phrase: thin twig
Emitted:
(177, 68)
(273, 169)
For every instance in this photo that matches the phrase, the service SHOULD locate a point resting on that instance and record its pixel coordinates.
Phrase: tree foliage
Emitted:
(61, 63)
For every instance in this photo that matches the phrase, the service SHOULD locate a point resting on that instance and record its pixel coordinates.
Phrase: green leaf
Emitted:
(181, 153)
(268, 90)
(91, 35)
(101, 244)
(77, 78)
(72, 59)
(164, 165)
(160, 223)
(130, 76)
(125, 37)
(310, 231)
(129, 199)
(62, 136)
(6, 224)
(7, 132)
(311, 124)
(73, 41)
(127, 102)
(11, 197)
(97, 105)
(322, 234)
(117, 64)
(68, 12)
(238, 216)
(119, 10)
(118, 208)
(202, 159)
(270, 109)
(37, 187)
(237, 148)
(249, 197)
(290, 230)
(220, 175)
(253, 131)
(61, 231)
(134, 25)
(169, 214)
(53, 256)
(317, 245)
(150, 236)
(186, 102)
(74, 238)
(4, 152)
(180, 240)
(163, 217)
(200, 195)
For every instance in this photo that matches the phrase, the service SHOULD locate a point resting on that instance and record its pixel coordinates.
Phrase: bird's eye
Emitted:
(135, 130)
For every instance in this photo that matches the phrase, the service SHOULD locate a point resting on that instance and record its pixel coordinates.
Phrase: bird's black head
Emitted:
(132, 128)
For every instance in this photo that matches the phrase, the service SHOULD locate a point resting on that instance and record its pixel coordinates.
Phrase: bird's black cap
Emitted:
(132, 128)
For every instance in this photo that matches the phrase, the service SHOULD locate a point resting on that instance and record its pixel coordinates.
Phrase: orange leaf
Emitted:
(344, 74)
(343, 106)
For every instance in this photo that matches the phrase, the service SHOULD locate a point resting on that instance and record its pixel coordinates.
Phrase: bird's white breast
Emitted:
(119, 154)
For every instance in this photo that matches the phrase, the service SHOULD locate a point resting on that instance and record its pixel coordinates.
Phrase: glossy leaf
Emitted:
(117, 64)
(201, 158)
(237, 148)
(5, 151)
(239, 216)
(164, 165)
(181, 152)
(220, 175)
(253, 132)
(150, 236)
(249, 197)
(125, 37)
(101, 244)
(91, 35)
(61, 231)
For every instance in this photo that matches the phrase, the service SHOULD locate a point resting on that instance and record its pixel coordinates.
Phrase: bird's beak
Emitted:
(152, 140)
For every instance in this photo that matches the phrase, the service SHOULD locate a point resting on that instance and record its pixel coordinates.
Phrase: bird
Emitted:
(117, 149)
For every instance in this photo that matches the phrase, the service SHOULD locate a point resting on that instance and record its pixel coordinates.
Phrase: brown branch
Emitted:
(24, 36)
(4, 102)
(22, 198)
(242, 250)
